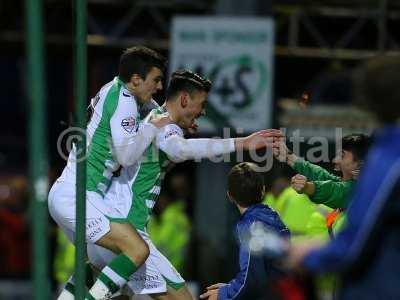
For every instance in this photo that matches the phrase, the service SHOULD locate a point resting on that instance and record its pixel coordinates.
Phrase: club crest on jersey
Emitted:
(171, 133)
(129, 124)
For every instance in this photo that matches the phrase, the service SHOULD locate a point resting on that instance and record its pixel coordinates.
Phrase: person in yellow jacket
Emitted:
(294, 209)
(170, 232)
(64, 261)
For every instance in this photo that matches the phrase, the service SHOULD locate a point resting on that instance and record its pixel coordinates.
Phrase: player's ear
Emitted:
(136, 80)
(230, 197)
(184, 98)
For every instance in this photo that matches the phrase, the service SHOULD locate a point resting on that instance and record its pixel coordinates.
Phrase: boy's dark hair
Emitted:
(185, 80)
(357, 144)
(377, 87)
(245, 184)
(139, 60)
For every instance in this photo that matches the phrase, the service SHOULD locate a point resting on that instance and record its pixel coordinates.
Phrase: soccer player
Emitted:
(114, 139)
(186, 101)
(246, 190)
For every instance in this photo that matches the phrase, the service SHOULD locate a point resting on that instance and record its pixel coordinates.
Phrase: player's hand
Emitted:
(211, 294)
(259, 139)
(215, 286)
(298, 183)
(161, 120)
(280, 150)
(299, 250)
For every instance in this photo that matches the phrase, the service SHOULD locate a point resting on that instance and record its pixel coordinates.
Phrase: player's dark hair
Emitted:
(139, 60)
(245, 184)
(377, 87)
(185, 80)
(357, 144)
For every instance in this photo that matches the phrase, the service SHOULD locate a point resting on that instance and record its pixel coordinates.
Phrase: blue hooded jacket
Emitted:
(254, 269)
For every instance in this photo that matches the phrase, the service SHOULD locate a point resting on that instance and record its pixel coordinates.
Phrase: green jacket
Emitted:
(330, 190)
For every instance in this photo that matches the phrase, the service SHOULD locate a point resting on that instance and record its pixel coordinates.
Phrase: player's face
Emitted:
(345, 163)
(195, 107)
(151, 85)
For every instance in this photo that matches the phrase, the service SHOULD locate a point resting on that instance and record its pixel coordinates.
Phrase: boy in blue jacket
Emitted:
(246, 190)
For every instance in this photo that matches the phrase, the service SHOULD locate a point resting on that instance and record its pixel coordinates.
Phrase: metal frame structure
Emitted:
(295, 23)
(302, 30)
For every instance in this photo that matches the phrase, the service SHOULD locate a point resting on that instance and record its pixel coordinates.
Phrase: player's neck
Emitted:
(173, 114)
(133, 92)
(241, 209)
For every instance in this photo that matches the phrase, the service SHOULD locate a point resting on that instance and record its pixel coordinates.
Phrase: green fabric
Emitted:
(70, 288)
(149, 176)
(99, 151)
(171, 233)
(175, 285)
(333, 193)
(112, 286)
(89, 297)
(313, 172)
(123, 266)
(330, 190)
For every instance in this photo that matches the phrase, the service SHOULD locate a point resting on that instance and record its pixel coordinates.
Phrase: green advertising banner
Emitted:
(236, 54)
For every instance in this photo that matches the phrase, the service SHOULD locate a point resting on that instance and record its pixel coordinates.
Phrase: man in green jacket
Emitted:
(321, 186)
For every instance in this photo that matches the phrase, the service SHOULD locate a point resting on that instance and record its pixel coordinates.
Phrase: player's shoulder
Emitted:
(171, 130)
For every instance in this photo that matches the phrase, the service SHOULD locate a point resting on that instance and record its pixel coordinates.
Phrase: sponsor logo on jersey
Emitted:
(126, 95)
(128, 124)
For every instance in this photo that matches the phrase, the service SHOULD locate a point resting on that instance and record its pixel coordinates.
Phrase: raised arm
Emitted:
(311, 171)
(334, 194)
(171, 141)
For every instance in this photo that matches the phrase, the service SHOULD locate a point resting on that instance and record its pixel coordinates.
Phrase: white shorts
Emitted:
(62, 205)
(152, 277)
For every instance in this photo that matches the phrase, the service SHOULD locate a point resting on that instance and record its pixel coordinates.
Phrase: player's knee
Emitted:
(135, 248)
(139, 252)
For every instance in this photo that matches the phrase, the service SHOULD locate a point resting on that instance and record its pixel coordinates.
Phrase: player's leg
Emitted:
(120, 238)
(131, 252)
(68, 292)
(158, 278)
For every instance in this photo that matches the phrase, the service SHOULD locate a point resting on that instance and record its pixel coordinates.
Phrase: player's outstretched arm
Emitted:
(311, 171)
(171, 141)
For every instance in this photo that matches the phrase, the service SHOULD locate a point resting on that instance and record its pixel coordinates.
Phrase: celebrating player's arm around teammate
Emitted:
(137, 189)
(114, 139)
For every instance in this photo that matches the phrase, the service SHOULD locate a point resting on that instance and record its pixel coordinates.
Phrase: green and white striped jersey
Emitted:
(137, 198)
(113, 135)
(134, 193)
